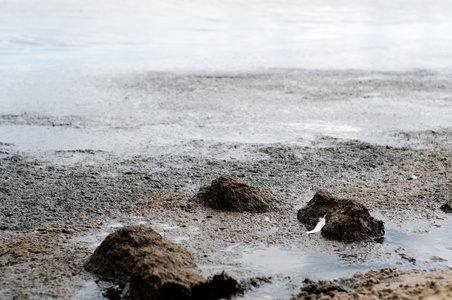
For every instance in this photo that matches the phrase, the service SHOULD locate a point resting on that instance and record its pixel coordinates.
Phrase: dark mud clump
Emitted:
(321, 288)
(346, 219)
(226, 193)
(155, 285)
(121, 252)
(447, 207)
(154, 268)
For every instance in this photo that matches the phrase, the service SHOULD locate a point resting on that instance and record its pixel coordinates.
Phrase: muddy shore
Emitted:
(58, 205)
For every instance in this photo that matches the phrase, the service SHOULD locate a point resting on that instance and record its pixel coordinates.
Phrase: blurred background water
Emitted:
(54, 55)
(222, 35)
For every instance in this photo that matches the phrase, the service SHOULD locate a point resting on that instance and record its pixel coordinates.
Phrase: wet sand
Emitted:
(58, 204)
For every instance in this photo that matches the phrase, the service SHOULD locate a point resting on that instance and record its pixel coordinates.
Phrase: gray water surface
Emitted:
(227, 35)
(88, 74)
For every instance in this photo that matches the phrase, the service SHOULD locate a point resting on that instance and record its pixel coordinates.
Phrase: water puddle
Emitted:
(94, 239)
(287, 268)
(90, 291)
(430, 250)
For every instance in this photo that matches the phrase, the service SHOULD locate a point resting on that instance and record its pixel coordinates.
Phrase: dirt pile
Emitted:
(154, 268)
(346, 219)
(226, 193)
(158, 285)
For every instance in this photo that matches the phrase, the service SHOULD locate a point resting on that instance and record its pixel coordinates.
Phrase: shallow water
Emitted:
(288, 268)
(431, 250)
(89, 291)
(60, 62)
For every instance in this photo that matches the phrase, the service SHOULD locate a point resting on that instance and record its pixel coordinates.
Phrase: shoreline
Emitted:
(57, 205)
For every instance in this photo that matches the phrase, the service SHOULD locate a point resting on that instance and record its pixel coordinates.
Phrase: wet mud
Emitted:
(48, 206)
(226, 193)
(385, 283)
(150, 267)
(58, 205)
(348, 220)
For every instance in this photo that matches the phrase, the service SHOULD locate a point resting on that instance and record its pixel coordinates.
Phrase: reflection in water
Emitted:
(432, 249)
(289, 267)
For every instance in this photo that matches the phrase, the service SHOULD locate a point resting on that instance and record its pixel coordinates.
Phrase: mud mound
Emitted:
(346, 219)
(153, 267)
(120, 253)
(226, 193)
(155, 285)
(447, 207)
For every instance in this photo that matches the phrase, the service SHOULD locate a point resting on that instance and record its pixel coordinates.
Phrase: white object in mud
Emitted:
(319, 225)
(269, 221)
